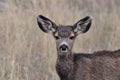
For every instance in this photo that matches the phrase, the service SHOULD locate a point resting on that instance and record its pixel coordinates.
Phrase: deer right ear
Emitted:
(45, 24)
(83, 25)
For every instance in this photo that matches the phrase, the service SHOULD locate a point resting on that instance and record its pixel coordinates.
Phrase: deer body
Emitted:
(101, 65)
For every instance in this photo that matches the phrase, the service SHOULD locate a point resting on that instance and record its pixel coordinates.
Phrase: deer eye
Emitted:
(56, 37)
(72, 37)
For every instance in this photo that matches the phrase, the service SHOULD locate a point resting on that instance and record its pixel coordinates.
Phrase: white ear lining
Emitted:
(50, 26)
(81, 26)
(43, 22)
(78, 28)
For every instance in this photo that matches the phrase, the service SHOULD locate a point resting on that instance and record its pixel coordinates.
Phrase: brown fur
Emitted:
(102, 65)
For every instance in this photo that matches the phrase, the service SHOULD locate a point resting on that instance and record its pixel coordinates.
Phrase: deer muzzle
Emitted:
(63, 47)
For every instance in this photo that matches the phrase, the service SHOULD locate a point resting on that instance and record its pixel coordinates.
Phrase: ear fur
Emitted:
(45, 24)
(83, 25)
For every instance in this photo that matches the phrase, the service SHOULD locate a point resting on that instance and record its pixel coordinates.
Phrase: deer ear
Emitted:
(83, 25)
(45, 24)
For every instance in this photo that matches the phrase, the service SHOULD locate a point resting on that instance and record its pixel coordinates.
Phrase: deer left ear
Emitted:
(45, 24)
(83, 25)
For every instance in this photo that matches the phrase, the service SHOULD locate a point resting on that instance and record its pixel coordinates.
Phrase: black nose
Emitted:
(63, 47)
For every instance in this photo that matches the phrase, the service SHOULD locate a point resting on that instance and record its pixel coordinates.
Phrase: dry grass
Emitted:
(26, 52)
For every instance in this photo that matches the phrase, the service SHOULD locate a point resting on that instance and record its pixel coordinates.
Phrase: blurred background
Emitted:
(26, 53)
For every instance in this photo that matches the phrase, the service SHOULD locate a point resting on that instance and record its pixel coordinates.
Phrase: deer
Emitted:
(99, 65)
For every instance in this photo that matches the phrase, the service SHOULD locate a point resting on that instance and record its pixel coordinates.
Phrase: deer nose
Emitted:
(63, 48)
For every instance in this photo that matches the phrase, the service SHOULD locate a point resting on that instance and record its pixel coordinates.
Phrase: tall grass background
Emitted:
(26, 53)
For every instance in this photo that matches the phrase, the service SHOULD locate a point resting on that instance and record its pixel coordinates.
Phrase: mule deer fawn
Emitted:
(101, 65)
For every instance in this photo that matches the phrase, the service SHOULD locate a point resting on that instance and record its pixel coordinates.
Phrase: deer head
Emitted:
(64, 35)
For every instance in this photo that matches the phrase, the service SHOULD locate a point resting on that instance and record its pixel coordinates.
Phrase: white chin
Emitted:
(65, 51)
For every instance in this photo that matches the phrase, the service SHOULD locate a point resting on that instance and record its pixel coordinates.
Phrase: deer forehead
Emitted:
(64, 31)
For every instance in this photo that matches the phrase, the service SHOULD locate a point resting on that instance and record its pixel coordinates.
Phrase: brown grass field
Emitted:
(26, 53)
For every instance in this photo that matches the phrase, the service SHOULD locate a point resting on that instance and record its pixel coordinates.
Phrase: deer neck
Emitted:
(64, 66)
(65, 57)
